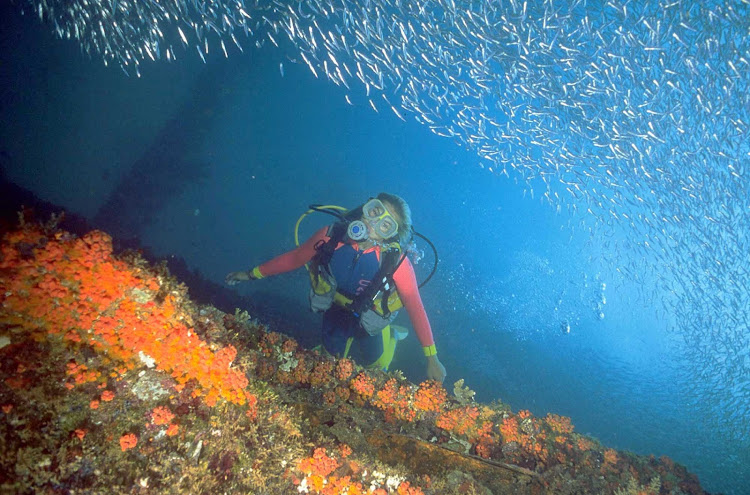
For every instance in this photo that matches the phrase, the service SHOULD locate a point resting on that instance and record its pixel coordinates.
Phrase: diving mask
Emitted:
(379, 219)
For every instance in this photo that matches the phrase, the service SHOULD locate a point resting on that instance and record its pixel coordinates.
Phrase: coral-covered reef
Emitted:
(113, 381)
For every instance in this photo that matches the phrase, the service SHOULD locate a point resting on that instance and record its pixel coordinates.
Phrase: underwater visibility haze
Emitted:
(582, 168)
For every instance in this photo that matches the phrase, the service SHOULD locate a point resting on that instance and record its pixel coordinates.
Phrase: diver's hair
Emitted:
(404, 213)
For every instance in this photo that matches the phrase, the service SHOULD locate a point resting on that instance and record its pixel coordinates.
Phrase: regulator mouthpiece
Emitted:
(357, 231)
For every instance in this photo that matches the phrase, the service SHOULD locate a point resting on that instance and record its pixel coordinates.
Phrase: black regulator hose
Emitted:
(434, 250)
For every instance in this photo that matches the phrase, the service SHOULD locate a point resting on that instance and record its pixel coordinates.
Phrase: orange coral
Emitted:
(342, 392)
(458, 420)
(80, 372)
(319, 479)
(321, 373)
(76, 289)
(345, 450)
(430, 396)
(509, 430)
(610, 456)
(319, 464)
(252, 407)
(344, 369)
(17, 382)
(161, 416)
(559, 424)
(172, 430)
(329, 396)
(289, 345)
(584, 444)
(485, 445)
(128, 441)
(405, 488)
(272, 338)
(395, 400)
(363, 385)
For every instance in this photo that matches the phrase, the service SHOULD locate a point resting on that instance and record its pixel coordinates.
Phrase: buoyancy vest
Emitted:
(376, 303)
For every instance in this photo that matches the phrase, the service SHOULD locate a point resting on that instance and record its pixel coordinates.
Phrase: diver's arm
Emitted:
(408, 291)
(293, 259)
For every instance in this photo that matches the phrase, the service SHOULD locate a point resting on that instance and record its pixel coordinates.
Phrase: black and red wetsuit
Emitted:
(353, 270)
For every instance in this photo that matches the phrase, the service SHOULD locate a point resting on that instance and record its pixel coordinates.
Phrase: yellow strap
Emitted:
(256, 273)
(344, 302)
(348, 346)
(341, 300)
(389, 349)
(430, 350)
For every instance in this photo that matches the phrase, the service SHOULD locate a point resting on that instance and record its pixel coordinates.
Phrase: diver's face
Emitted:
(378, 234)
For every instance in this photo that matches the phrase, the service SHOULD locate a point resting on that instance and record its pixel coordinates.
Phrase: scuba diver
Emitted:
(360, 277)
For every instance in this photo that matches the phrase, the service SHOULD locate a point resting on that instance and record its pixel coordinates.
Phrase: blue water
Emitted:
(254, 147)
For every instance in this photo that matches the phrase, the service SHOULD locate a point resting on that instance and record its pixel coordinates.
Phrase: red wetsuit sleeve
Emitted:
(408, 291)
(295, 258)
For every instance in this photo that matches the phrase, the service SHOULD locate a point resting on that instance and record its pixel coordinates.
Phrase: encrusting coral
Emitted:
(139, 390)
(74, 288)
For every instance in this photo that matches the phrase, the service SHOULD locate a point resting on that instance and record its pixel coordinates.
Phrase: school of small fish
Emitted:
(635, 115)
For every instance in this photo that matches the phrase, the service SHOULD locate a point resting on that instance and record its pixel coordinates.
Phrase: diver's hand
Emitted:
(234, 278)
(435, 369)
